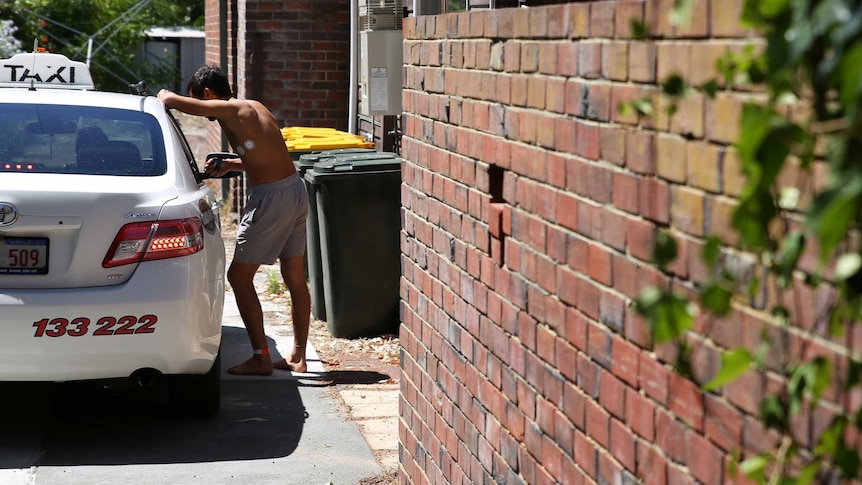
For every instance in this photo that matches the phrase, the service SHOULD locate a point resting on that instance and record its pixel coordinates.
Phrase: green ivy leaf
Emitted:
(734, 363)
(752, 217)
(648, 299)
(755, 468)
(665, 249)
(773, 413)
(710, 87)
(765, 142)
(836, 321)
(832, 211)
(781, 139)
(829, 14)
(848, 461)
(625, 108)
(755, 73)
(683, 364)
(794, 245)
(822, 378)
(640, 30)
(847, 31)
(808, 381)
(753, 287)
(712, 251)
(850, 71)
(832, 444)
(830, 439)
(781, 313)
(762, 349)
(643, 106)
(673, 318)
(726, 66)
(789, 198)
(854, 374)
(847, 266)
(716, 298)
(674, 85)
(799, 38)
(680, 14)
(769, 9)
(808, 473)
(668, 315)
(754, 129)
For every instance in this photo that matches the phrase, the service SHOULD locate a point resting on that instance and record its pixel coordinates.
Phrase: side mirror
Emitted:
(218, 158)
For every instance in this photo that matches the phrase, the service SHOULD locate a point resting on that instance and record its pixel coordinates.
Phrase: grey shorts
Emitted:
(273, 222)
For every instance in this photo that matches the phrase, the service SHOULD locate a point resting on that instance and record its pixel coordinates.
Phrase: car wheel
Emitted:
(197, 395)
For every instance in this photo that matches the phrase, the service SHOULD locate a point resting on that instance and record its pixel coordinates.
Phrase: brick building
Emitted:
(291, 55)
(530, 208)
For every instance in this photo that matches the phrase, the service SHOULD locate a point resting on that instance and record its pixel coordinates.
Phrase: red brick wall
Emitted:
(291, 55)
(305, 48)
(530, 209)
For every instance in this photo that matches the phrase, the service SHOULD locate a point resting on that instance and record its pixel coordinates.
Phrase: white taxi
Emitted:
(112, 263)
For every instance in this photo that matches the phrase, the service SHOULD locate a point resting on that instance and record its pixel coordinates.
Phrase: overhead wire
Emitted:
(129, 13)
(51, 34)
(68, 43)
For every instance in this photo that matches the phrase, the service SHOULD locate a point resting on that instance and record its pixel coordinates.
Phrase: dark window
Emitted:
(80, 140)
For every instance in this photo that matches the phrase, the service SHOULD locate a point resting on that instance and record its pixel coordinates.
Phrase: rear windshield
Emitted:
(80, 140)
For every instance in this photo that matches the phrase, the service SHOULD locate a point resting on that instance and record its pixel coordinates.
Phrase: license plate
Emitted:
(23, 255)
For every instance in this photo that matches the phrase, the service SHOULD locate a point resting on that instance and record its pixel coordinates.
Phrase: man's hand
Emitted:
(224, 167)
(164, 95)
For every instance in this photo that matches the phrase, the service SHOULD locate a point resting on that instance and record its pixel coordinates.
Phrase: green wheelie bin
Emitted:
(358, 210)
(313, 268)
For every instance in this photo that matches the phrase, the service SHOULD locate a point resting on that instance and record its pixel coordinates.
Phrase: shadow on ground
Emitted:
(345, 377)
(88, 424)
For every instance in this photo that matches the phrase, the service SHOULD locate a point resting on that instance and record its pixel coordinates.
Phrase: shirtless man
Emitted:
(273, 220)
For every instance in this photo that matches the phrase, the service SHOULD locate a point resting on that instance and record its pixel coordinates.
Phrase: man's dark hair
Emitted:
(212, 78)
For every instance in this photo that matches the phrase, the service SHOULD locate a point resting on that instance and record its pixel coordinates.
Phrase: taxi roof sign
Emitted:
(44, 70)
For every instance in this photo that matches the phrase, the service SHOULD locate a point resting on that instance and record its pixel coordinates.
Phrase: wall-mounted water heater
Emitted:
(380, 57)
(380, 65)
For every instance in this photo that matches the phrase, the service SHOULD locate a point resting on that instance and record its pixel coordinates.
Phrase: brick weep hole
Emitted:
(530, 208)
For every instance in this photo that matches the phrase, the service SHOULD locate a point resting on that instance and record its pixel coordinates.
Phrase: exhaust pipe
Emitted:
(146, 378)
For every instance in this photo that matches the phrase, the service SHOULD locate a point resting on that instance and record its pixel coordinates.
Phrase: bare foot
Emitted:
(254, 366)
(284, 364)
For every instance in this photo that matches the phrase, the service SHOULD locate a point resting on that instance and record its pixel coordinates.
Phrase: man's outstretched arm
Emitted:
(212, 108)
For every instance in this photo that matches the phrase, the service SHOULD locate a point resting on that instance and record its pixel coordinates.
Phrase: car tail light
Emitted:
(145, 241)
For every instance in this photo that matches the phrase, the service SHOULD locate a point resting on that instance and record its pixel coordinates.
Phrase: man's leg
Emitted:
(300, 302)
(241, 279)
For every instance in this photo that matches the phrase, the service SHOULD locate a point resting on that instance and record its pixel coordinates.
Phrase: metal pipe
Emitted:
(222, 52)
(354, 68)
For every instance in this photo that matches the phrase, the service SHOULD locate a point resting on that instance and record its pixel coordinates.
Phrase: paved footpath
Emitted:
(272, 430)
(370, 408)
(331, 447)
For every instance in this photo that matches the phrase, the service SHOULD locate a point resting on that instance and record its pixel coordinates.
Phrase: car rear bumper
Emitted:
(173, 326)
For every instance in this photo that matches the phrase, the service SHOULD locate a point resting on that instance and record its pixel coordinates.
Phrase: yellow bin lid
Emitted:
(308, 132)
(327, 144)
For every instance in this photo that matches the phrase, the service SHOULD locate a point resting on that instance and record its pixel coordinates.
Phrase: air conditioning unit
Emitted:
(380, 14)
